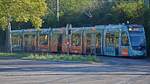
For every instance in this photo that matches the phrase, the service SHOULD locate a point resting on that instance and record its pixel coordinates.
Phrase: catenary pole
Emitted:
(58, 9)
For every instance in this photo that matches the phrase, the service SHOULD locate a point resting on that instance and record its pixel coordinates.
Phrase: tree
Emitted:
(131, 9)
(21, 11)
(69, 10)
(75, 6)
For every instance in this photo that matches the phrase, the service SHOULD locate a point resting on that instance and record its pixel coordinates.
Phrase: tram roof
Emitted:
(112, 27)
(109, 27)
(136, 26)
(18, 31)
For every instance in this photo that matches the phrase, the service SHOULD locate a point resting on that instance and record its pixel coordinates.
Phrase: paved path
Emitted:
(109, 71)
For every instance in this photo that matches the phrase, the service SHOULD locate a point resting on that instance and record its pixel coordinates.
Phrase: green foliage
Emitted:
(22, 11)
(131, 9)
(16, 55)
(62, 58)
(48, 57)
(74, 6)
(7, 54)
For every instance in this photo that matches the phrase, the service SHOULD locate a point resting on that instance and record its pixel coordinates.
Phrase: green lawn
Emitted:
(49, 57)
(17, 55)
(7, 54)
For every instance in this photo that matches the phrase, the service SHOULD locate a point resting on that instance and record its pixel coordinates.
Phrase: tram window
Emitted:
(125, 40)
(76, 39)
(33, 36)
(98, 40)
(116, 39)
(109, 39)
(55, 38)
(16, 40)
(29, 38)
(44, 39)
(26, 36)
(89, 39)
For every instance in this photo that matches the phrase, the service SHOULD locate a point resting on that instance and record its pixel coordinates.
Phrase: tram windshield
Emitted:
(137, 40)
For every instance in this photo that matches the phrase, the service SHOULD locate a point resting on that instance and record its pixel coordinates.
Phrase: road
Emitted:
(109, 71)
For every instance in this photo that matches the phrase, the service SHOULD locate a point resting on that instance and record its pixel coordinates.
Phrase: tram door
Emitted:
(90, 43)
(111, 44)
(124, 44)
(29, 42)
(59, 45)
(76, 44)
(98, 44)
(56, 43)
(43, 41)
(16, 41)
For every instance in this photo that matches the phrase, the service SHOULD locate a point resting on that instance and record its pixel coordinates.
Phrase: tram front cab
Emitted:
(137, 40)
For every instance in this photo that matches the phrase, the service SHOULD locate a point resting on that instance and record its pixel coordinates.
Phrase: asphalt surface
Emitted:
(110, 70)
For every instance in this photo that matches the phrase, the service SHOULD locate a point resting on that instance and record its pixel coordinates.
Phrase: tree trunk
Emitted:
(8, 40)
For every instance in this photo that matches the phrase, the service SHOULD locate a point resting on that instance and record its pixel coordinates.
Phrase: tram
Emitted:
(108, 40)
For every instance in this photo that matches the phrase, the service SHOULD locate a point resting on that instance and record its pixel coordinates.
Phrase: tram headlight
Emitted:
(130, 29)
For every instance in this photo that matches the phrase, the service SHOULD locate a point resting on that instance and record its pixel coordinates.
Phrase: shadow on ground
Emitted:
(108, 64)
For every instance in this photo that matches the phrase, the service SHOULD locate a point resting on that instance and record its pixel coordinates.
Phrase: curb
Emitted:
(70, 73)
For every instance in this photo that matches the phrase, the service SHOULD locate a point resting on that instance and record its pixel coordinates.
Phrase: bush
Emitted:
(62, 58)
